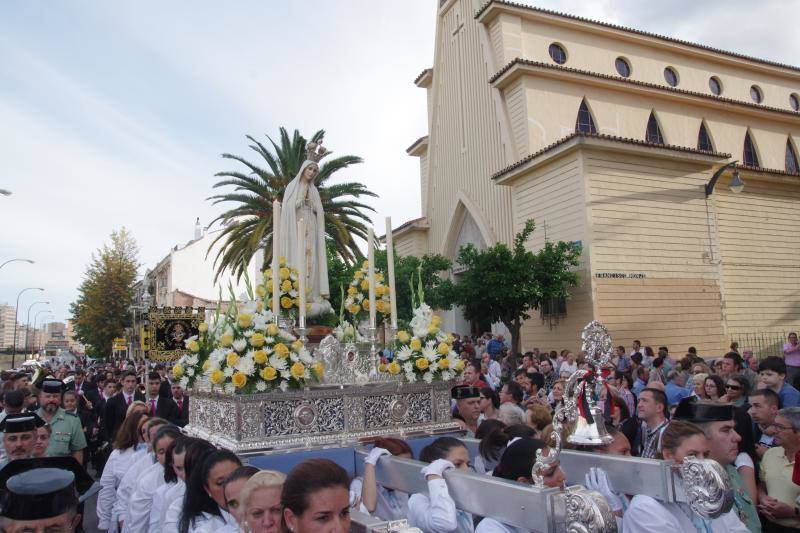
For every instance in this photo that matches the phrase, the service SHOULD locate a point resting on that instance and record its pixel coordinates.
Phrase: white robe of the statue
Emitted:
(292, 210)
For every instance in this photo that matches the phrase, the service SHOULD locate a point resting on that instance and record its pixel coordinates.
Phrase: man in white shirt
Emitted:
(652, 410)
(494, 370)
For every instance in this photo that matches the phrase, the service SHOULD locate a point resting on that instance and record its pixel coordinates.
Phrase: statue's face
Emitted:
(310, 171)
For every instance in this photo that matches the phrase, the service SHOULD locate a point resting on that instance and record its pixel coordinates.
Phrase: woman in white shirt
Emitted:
(204, 500)
(196, 451)
(121, 458)
(645, 514)
(260, 502)
(516, 464)
(436, 512)
(141, 502)
(316, 498)
(377, 500)
(173, 477)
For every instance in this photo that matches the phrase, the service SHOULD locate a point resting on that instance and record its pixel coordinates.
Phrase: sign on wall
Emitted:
(168, 329)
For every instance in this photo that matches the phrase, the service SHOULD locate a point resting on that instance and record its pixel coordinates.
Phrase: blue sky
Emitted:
(115, 113)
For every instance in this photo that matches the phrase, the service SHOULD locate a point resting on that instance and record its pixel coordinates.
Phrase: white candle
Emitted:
(276, 279)
(371, 276)
(390, 261)
(301, 270)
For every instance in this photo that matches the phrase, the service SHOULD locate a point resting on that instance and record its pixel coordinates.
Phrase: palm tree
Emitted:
(248, 226)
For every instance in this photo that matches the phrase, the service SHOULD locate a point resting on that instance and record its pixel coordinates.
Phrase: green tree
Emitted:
(502, 284)
(101, 311)
(248, 225)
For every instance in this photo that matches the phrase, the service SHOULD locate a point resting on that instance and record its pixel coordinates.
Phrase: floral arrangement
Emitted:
(289, 289)
(347, 332)
(244, 351)
(426, 352)
(357, 301)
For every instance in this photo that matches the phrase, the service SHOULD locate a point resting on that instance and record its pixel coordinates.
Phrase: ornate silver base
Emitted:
(325, 415)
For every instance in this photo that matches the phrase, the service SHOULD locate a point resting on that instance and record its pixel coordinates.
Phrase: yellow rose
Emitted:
(203, 327)
(421, 363)
(217, 377)
(232, 359)
(226, 340)
(443, 348)
(416, 344)
(193, 346)
(177, 371)
(459, 366)
(382, 368)
(261, 291)
(283, 273)
(319, 370)
(206, 365)
(403, 336)
(380, 306)
(239, 380)
(286, 302)
(245, 320)
(449, 340)
(378, 276)
(281, 350)
(394, 368)
(257, 340)
(298, 370)
(352, 290)
(268, 373)
(365, 303)
(380, 290)
(433, 330)
(282, 261)
(436, 320)
(260, 357)
(444, 364)
(272, 330)
(359, 275)
(365, 285)
(365, 264)
(286, 285)
(354, 309)
(297, 345)
(268, 273)
(259, 306)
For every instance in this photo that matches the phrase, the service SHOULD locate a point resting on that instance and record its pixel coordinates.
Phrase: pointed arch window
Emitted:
(585, 122)
(791, 158)
(703, 139)
(749, 155)
(653, 134)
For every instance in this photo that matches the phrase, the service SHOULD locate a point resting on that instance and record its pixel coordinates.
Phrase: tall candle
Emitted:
(371, 276)
(301, 270)
(390, 261)
(276, 279)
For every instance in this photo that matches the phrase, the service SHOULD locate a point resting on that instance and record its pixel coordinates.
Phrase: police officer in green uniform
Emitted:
(67, 436)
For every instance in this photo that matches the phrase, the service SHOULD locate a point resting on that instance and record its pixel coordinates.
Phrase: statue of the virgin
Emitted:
(301, 201)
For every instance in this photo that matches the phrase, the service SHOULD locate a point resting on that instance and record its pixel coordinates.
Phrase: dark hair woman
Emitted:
(490, 403)
(494, 442)
(377, 500)
(437, 510)
(204, 501)
(121, 459)
(316, 497)
(713, 388)
(183, 461)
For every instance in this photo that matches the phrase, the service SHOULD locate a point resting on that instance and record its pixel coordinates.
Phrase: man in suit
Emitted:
(85, 390)
(157, 405)
(182, 401)
(117, 406)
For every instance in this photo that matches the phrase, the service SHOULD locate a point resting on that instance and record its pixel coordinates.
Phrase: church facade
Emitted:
(607, 137)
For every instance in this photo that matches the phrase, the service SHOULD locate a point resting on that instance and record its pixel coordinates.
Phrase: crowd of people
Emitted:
(125, 424)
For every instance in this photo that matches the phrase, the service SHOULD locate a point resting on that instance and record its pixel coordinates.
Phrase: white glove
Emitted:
(437, 468)
(375, 454)
(597, 480)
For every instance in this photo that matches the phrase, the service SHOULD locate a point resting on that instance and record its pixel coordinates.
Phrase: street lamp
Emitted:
(16, 313)
(28, 323)
(35, 318)
(12, 260)
(736, 184)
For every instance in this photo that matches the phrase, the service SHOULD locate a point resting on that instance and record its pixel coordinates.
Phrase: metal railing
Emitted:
(763, 344)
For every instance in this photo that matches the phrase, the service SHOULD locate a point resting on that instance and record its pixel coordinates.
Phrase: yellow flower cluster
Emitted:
(357, 299)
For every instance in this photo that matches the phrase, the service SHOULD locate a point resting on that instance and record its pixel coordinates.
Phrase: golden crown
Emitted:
(315, 151)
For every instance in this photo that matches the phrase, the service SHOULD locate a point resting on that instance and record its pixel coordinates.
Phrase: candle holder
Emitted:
(372, 339)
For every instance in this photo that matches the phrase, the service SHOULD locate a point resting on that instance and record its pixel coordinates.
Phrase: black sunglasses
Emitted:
(733, 387)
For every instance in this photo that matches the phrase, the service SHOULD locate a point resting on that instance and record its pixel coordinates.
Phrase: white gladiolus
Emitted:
(261, 385)
(239, 345)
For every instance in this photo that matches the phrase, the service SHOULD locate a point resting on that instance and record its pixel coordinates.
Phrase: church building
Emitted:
(610, 137)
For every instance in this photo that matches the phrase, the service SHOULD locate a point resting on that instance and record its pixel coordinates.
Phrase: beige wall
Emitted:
(410, 243)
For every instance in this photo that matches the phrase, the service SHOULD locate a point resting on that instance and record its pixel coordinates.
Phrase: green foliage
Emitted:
(101, 311)
(248, 225)
(502, 284)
